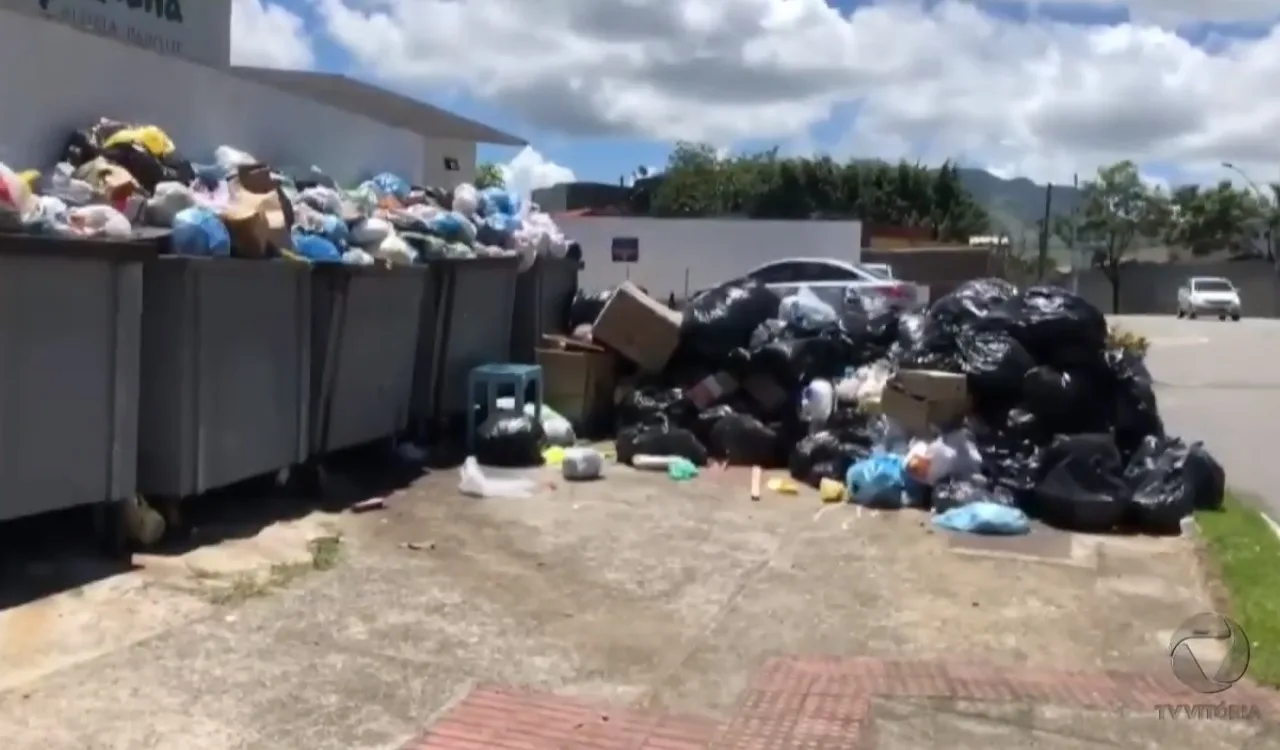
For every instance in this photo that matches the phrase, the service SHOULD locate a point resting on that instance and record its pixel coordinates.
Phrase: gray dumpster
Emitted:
(471, 326)
(364, 334)
(71, 312)
(543, 296)
(225, 372)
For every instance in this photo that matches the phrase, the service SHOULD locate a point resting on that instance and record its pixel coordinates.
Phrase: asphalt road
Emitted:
(1220, 382)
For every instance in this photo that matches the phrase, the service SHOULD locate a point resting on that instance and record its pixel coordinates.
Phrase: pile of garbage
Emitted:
(993, 406)
(115, 180)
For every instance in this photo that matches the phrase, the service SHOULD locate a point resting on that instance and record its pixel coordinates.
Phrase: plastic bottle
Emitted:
(653, 463)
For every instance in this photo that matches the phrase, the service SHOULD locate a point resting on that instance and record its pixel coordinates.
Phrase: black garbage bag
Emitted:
(586, 307)
(936, 348)
(659, 440)
(969, 303)
(910, 330)
(824, 455)
(1170, 480)
(954, 493)
(147, 168)
(793, 360)
(1066, 402)
(994, 362)
(883, 329)
(1057, 327)
(707, 420)
(1135, 415)
(1082, 485)
(648, 405)
(510, 440)
(722, 319)
(1009, 445)
(743, 440)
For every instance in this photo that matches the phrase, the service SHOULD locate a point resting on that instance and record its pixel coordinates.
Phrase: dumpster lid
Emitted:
(146, 244)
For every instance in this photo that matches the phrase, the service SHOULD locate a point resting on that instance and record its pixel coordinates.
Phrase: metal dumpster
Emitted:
(71, 312)
(226, 348)
(543, 296)
(364, 334)
(470, 325)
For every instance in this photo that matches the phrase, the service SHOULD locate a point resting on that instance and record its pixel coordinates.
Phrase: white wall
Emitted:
(705, 251)
(436, 150)
(198, 30)
(57, 79)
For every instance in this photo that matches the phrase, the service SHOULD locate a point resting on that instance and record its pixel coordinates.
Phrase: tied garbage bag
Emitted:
(806, 311)
(824, 455)
(230, 159)
(969, 303)
(315, 248)
(654, 406)
(742, 440)
(817, 403)
(722, 319)
(582, 464)
(659, 440)
(983, 517)
(878, 481)
(465, 199)
(510, 439)
(472, 482)
(587, 306)
(497, 200)
(370, 232)
(1065, 402)
(707, 420)
(105, 221)
(390, 184)
(994, 362)
(199, 232)
(1058, 328)
(335, 230)
(452, 226)
(64, 185)
(1136, 414)
(1171, 480)
(1082, 486)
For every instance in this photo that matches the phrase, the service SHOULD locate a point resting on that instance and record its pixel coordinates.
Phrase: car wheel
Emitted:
(1236, 318)
(1181, 313)
(1192, 315)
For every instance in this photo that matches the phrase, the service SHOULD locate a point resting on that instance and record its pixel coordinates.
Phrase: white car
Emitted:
(1208, 295)
(835, 281)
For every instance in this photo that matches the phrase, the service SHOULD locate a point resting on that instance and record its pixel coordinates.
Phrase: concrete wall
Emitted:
(197, 30)
(65, 79)
(1151, 288)
(436, 152)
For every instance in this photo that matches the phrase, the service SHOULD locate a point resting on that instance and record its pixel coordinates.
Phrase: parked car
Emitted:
(882, 270)
(1208, 295)
(835, 281)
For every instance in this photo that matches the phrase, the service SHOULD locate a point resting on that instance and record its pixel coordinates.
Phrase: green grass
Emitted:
(1242, 555)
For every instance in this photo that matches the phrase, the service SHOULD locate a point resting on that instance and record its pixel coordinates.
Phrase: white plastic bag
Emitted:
(169, 199)
(817, 403)
(582, 464)
(558, 429)
(395, 250)
(466, 199)
(371, 232)
(807, 311)
(951, 456)
(63, 185)
(232, 159)
(474, 483)
(99, 221)
(357, 257)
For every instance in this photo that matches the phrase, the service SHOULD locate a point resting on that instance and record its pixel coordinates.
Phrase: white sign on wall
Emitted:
(198, 30)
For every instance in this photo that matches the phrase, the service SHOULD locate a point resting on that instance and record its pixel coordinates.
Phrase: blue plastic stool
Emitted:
(495, 378)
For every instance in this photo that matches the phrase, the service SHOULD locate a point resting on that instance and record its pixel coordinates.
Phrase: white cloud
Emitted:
(530, 170)
(928, 80)
(268, 35)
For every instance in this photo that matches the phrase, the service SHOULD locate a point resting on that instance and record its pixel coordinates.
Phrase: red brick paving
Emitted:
(800, 704)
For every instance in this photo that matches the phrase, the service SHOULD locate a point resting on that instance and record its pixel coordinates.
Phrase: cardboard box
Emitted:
(921, 400)
(638, 327)
(711, 389)
(578, 381)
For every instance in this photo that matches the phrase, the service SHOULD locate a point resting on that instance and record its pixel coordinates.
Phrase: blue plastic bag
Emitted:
(390, 184)
(315, 248)
(335, 230)
(499, 201)
(984, 517)
(878, 481)
(450, 226)
(199, 232)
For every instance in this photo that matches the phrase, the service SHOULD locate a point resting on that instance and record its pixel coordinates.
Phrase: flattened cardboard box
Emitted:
(638, 327)
(921, 400)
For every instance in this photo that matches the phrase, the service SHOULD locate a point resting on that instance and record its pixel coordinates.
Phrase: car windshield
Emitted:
(1213, 285)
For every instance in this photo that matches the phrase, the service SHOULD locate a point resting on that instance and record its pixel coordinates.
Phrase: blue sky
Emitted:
(608, 159)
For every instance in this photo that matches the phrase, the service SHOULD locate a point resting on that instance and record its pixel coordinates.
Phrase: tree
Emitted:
(1219, 218)
(489, 175)
(699, 182)
(1117, 209)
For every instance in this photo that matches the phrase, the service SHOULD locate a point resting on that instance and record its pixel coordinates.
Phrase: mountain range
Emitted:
(1016, 204)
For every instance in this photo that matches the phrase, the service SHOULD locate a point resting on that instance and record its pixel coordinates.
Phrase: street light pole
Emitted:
(1265, 200)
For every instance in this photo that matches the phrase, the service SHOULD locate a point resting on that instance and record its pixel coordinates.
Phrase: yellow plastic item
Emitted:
(832, 491)
(783, 486)
(153, 139)
(553, 456)
(30, 177)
